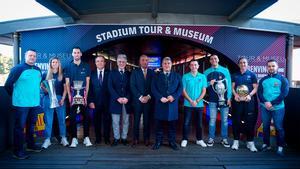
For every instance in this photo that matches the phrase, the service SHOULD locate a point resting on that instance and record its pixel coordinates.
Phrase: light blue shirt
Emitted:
(193, 86)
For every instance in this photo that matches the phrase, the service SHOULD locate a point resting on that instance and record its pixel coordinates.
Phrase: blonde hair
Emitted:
(50, 70)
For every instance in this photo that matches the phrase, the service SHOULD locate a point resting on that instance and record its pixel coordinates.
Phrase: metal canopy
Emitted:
(72, 10)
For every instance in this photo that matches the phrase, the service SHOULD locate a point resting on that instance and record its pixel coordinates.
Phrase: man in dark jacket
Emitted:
(140, 85)
(166, 88)
(99, 100)
(119, 89)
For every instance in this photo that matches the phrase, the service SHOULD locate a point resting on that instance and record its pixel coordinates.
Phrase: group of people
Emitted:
(112, 95)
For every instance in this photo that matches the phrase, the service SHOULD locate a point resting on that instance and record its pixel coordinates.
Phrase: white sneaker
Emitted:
(183, 143)
(251, 146)
(87, 142)
(201, 143)
(210, 142)
(64, 141)
(235, 145)
(46, 143)
(225, 143)
(74, 142)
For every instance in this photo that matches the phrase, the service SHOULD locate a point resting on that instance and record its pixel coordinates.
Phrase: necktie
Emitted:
(145, 73)
(100, 77)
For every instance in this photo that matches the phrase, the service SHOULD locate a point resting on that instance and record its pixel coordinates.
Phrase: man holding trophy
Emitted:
(77, 83)
(244, 88)
(219, 91)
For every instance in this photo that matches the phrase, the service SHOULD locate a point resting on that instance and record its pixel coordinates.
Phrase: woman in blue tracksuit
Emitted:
(272, 90)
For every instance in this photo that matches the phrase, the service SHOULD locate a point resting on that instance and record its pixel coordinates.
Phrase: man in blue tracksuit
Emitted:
(23, 83)
(272, 90)
(215, 75)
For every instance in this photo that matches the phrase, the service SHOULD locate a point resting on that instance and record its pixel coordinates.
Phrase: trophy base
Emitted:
(78, 101)
(222, 104)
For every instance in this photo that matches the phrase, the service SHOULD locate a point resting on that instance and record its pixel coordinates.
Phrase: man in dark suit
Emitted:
(119, 89)
(140, 84)
(98, 100)
(166, 88)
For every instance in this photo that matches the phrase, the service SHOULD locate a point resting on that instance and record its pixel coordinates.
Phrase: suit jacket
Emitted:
(99, 94)
(163, 86)
(139, 85)
(118, 86)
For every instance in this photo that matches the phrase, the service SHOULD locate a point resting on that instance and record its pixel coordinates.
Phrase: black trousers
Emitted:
(73, 120)
(138, 111)
(244, 116)
(171, 130)
(102, 120)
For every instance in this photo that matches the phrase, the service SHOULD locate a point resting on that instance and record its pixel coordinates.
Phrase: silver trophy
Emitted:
(220, 89)
(78, 99)
(50, 86)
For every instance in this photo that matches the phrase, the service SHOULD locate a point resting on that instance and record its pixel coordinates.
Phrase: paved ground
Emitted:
(126, 157)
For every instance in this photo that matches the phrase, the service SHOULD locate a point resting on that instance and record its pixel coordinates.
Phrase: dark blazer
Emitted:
(118, 86)
(99, 94)
(139, 85)
(163, 87)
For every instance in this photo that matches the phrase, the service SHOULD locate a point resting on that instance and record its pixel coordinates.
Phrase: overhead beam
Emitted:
(60, 8)
(154, 8)
(239, 9)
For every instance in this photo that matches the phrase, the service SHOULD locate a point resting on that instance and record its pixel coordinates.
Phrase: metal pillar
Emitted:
(16, 37)
(290, 47)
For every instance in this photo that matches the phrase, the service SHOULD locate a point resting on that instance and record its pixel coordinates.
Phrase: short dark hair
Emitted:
(241, 58)
(143, 55)
(193, 60)
(272, 60)
(33, 50)
(101, 56)
(76, 47)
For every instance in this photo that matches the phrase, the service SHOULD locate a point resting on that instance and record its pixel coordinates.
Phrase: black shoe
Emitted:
(147, 143)
(124, 142)
(115, 143)
(173, 146)
(156, 146)
(20, 155)
(107, 142)
(134, 143)
(97, 142)
(34, 148)
(265, 148)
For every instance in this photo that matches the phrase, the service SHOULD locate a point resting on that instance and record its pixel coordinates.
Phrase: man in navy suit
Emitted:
(166, 88)
(140, 84)
(98, 100)
(119, 89)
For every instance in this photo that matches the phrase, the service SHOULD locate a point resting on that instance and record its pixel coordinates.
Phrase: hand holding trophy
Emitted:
(50, 86)
(243, 92)
(220, 89)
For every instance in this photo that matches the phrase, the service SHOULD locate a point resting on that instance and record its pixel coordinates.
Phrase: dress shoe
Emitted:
(173, 146)
(124, 142)
(107, 142)
(156, 146)
(134, 143)
(20, 155)
(34, 148)
(115, 143)
(147, 143)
